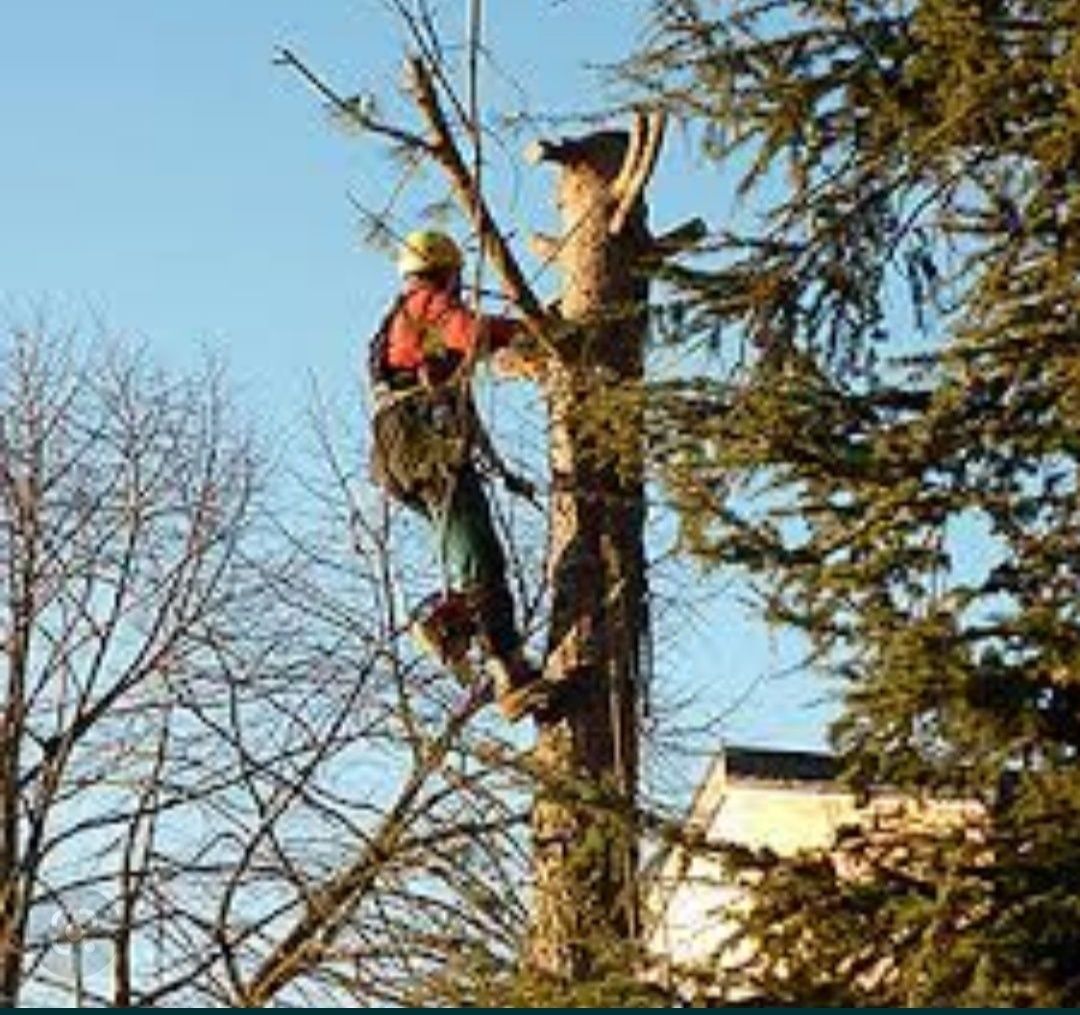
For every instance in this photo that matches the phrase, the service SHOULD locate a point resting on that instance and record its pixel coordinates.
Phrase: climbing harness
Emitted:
(427, 434)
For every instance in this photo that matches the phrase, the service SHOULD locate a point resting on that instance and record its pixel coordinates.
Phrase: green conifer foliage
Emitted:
(894, 463)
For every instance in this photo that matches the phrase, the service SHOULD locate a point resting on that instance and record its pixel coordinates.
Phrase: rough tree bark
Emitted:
(587, 750)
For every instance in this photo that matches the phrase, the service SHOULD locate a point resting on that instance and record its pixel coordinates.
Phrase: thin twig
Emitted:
(349, 107)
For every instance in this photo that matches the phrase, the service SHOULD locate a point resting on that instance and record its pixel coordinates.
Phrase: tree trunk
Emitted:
(587, 749)
(20, 485)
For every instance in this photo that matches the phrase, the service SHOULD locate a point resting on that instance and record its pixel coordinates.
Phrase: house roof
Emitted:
(779, 765)
(758, 764)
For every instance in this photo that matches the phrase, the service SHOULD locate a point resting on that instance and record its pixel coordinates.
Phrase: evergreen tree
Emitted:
(894, 462)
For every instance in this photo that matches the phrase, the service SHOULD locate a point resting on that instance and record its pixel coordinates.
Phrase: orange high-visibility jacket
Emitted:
(433, 328)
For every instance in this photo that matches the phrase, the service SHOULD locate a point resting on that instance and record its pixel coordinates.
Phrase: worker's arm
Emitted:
(492, 337)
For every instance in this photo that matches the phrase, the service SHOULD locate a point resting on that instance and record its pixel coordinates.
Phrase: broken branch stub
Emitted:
(682, 239)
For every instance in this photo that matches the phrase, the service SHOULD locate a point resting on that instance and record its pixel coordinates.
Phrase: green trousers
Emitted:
(422, 457)
(473, 558)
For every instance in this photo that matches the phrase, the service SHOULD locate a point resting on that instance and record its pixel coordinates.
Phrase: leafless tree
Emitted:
(226, 780)
(126, 498)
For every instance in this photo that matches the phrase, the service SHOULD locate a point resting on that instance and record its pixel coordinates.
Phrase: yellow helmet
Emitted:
(428, 250)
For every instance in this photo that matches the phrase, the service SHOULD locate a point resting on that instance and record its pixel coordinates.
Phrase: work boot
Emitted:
(519, 688)
(444, 628)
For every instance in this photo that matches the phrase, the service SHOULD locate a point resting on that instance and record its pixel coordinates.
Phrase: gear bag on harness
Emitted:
(422, 435)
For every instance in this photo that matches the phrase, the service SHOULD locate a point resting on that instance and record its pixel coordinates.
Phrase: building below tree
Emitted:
(779, 802)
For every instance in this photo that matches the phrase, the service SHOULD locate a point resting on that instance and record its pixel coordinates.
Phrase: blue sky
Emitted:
(161, 173)
(162, 176)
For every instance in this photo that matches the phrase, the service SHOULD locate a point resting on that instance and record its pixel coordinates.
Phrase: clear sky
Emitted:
(160, 175)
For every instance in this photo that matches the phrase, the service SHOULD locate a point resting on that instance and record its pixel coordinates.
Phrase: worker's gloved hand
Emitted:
(518, 362)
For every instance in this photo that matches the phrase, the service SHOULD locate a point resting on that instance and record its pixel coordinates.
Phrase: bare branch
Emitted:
(329, 907)
(350, 108)
(445, 151)
(646, 139)
(681, 238)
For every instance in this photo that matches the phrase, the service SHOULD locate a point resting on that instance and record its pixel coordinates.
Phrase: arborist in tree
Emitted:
(428, 447)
